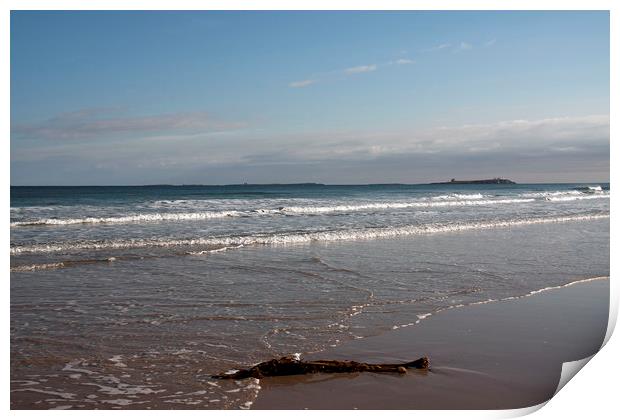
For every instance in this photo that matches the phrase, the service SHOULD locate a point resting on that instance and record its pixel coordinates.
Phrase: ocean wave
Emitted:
(153, 217)
(399, 205)
(577, 197)
(310, 208)
(592, 192)
(293, 238)
(459, 196)
(291, 210)
(544, 194)
(588, 189)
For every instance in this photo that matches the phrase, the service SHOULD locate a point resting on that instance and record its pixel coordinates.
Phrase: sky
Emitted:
(205, 97)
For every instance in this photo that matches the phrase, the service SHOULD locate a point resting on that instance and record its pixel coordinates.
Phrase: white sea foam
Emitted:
(153, 217)
(459, 196)
(577, 197)
(36, 267)
(483, 302)
(569, 195)
(452, 200)
(121, 402)
(305, 207)
(591, 189)
(533, 292)
(544, 194)
(71, 367)
(215, 251)
(292, 238)
(544, 289)
(65, 395)
(400, 205)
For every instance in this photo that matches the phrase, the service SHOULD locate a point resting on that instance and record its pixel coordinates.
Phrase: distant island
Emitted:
(478, 181)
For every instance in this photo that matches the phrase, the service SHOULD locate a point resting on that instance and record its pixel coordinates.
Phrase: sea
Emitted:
(134, 296)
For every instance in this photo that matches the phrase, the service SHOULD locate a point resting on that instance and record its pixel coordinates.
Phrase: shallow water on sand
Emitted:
(144, 326)
(148, 333)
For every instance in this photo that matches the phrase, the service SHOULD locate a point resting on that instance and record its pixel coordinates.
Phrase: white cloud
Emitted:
(437, 47)
(361, 69)
(302, 83)
(464, 46)
(92, 123)
(514, 135)
(490, 43)
(366, 68)
(551, 136)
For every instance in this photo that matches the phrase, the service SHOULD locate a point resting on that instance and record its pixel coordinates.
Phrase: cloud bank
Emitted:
(564, 149)
(86, 124)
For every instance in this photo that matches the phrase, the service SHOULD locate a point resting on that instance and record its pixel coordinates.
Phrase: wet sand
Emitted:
(499, 355)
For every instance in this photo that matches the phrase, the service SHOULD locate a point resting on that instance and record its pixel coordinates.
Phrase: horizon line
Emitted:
(291, 184)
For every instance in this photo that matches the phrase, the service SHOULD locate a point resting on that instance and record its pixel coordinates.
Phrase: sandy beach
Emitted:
(497, 355)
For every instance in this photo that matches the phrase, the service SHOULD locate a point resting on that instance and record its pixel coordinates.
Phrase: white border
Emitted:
(591, 394)
(309, 5)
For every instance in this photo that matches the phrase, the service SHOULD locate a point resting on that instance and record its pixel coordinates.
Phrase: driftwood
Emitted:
(290, 365)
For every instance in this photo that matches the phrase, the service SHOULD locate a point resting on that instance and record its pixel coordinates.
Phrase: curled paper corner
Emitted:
(521, 412)
(570, 369)
(614, 298)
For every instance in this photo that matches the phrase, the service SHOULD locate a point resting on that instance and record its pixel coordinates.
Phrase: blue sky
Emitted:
(336, 97)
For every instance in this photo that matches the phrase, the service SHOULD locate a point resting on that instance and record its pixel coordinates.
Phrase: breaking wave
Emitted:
(459, 196)
(580, 193)
(591, 189)
(155, 217)
(439, 201)
(398, 205)
(577, 197)
(296, 210)
(293, 238)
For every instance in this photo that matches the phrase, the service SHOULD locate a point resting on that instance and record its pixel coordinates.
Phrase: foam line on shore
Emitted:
(483, 302)
(72, 263)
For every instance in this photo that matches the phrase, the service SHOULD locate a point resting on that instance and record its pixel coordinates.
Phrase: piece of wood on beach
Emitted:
(290, 365)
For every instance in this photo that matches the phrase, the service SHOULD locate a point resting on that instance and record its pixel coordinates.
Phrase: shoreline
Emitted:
(510, 355)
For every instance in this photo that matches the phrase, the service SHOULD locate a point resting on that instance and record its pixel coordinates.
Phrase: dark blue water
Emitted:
(39, 196)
